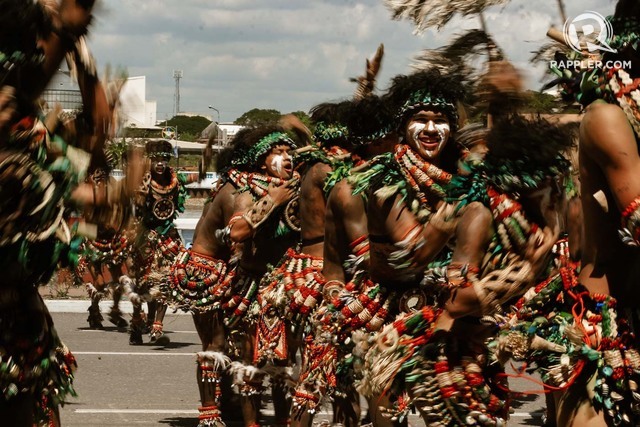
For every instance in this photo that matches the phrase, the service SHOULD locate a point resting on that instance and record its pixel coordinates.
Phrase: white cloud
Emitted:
(286, 54)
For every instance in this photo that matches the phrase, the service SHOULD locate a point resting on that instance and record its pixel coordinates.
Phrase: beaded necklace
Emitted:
(164, 190)
(423, 177)
(625, 91)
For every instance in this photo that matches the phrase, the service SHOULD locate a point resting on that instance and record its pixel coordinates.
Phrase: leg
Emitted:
(115, 315)
(346, 408)
(211, 365)
(137, 318)
(375, 415)
(95, 318)
(281, 403)
(157, 335)
(573, 407)
(252, 377)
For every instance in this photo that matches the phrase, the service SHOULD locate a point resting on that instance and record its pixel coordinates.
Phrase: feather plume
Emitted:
(367, 83)
(436, 13)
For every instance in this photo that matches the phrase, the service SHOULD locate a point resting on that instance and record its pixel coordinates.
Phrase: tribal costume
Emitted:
(243, 287)
(157, 241)
(272, 227)
(200, 282)
(40, 171)
(104, 258)
(291, 291)
(573, 337)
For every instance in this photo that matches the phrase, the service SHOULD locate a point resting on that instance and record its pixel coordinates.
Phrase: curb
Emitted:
(81, 306)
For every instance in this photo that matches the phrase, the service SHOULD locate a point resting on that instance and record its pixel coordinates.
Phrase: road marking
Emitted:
(136, 411)
(125, 353)
(267, 412)
(111, 330)
(81, 306)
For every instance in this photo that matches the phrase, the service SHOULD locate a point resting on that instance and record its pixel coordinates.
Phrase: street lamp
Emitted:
(211, 107)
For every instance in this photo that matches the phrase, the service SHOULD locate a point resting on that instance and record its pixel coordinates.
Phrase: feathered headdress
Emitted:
(369, 119)
(428, 89)
(329, 119)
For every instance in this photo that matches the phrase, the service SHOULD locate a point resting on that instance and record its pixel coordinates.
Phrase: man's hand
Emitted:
(281, 194)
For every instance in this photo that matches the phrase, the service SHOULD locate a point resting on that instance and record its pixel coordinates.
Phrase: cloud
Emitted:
(286, 54)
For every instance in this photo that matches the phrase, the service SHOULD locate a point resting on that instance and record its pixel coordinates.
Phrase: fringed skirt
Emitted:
(33, 360)
(564, 331)
(197, 282)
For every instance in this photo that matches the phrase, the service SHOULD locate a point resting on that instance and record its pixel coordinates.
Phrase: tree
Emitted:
(304, 118)
(189, 127)
(257, 117)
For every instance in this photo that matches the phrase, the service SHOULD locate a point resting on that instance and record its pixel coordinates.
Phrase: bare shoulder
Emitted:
(319, 172)
(341, 196)
(605, 131)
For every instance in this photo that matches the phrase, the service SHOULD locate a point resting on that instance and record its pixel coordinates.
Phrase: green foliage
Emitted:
(189, 128)
(258, 117)
(538, 102)
(304, 118)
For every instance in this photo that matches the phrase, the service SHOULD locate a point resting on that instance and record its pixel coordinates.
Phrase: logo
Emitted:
(590, 31)
(169, 132)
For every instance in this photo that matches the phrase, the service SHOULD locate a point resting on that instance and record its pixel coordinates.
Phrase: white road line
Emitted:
(136, 411)
(125, 353)
(267, 412)
(166, 332)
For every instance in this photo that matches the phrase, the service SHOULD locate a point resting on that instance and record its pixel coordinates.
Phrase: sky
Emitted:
(289, 55)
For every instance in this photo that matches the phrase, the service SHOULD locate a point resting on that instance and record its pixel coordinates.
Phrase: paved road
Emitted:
(123, 385)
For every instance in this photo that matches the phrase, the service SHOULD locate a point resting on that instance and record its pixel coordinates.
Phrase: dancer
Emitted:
(37, 368)
(198, 275)
(104, 259)
(158, 203)
(594, 311)
(266, 224)
(346, 251)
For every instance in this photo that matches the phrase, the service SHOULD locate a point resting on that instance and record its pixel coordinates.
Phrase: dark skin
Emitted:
(345, 221)
(609, 164)
(262, 249)
(209, 325)
(312, 206)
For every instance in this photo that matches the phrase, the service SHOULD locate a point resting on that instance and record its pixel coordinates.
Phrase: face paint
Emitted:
(277, 163)
(416, 130)
(443, 130)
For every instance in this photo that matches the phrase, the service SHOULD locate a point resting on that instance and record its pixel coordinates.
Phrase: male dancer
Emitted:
(266, 223)
(158, 202)
(198, 275)
(104, 258)
(41, 177)
(346, 254)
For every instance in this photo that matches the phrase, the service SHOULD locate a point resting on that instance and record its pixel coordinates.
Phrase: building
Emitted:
(224, 131)
(135, 110)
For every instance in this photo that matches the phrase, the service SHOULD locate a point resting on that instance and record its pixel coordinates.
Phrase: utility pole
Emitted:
(177, 75)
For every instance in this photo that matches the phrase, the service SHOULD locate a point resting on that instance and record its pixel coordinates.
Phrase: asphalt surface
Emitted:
(123, 385)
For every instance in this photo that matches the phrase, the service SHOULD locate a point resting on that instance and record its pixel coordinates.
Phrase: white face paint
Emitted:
(443, 130)
(277, 164)
(417, 128)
